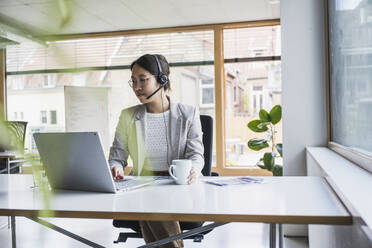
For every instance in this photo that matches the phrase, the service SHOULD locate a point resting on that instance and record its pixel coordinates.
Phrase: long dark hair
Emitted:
(148, 62)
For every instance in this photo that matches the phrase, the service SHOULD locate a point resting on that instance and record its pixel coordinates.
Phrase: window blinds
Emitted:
(252, 42)
(192, 48)
(177, 47)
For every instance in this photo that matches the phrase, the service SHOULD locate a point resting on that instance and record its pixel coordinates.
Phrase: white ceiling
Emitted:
(44, 17)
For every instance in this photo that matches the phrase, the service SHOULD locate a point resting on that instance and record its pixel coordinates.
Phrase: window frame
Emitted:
(43, 115)
(206, 86)
(219, 80)
(360, 159)
(51, 117)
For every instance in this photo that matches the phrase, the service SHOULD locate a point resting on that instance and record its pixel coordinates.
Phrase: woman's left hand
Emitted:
(192, 177)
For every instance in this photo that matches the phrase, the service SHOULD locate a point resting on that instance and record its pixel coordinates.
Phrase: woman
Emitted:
(154, 133)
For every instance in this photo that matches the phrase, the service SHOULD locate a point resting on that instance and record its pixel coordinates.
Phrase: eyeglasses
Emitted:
(141, 82)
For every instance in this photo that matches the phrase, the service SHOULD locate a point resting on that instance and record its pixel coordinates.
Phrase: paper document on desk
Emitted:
(160, 180)
(233, 181)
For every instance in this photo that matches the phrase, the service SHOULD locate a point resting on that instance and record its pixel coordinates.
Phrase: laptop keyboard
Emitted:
(131, 183)
(126, 183)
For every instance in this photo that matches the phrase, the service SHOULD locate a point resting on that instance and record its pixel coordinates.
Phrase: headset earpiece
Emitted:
(162, 77)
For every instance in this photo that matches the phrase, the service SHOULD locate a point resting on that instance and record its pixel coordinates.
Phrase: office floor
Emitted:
(233, 235)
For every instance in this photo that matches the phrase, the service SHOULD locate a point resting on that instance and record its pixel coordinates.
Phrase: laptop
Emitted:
(76, 161)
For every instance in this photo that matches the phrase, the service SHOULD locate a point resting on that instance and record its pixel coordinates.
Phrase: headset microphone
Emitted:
(162, 78)
(153, 93)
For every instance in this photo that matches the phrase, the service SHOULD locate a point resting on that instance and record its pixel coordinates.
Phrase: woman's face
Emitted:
(143, 83)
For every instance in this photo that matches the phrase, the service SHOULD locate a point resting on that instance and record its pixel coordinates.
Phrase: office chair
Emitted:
(14, 141)
(207, 128)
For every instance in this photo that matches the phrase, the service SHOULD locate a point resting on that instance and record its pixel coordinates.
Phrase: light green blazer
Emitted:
(185, 137)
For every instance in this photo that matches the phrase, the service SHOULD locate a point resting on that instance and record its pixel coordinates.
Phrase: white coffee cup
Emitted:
(180, 170)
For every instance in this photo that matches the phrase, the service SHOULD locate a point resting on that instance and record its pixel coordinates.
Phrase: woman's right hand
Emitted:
(116, 173)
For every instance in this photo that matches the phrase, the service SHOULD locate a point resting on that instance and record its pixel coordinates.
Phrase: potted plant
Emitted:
(267, 123)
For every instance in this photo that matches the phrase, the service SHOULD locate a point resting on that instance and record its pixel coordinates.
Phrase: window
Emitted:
(261, 101)
(253, 86)
(43, 117)
(53, 117)
(235, 95)
(49, 80)
(351, 104)
(93, 100)
(257, 97)
(207, 92)
(18, 82)
(350, 42)
(207, 96)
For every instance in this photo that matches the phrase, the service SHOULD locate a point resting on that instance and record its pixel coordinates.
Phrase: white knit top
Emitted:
(157, 136)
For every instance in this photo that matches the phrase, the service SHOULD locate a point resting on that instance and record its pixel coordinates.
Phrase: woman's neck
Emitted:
(158, 106)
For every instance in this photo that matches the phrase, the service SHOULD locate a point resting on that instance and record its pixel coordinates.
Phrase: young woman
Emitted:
(154, 133)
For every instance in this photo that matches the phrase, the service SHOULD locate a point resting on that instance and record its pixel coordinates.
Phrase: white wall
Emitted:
(303, 86)
(303, 81)
(31, 102)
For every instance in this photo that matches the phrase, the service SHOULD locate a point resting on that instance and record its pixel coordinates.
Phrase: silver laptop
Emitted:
(76, 161)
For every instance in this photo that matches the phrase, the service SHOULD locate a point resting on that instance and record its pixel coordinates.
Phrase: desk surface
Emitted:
(9, 154)
(296, 200)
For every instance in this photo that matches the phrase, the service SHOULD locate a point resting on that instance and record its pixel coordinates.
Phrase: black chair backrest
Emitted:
(207, 128)
(15, 134)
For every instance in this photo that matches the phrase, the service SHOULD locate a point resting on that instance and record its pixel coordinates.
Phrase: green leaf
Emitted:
(257, 144)
(269, 160)
(277, 170)
(263, 125)
(279, 148)
(260, 163)
(262, 167)
(264, 116)
(276, 114)
(253, 125)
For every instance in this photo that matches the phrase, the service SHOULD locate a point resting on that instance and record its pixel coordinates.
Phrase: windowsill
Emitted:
(352, 183)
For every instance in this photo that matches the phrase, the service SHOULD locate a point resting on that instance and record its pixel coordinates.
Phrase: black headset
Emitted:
(162, 78)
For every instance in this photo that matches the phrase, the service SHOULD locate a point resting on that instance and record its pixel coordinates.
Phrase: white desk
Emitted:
(7, 156)
(294, 200)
